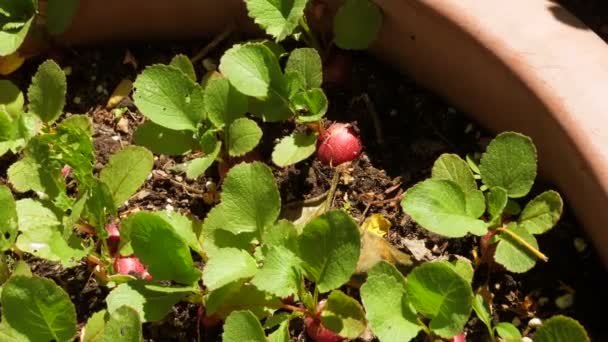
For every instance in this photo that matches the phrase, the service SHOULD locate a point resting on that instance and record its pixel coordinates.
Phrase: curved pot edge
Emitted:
(456, 48)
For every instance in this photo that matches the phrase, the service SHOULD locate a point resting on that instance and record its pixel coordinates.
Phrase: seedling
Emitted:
(452, 204)
(18, 18)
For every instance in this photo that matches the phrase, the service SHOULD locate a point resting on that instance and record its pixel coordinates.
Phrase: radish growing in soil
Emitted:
(131, 265)
(319, 333)
(338, 144)
(113, 238)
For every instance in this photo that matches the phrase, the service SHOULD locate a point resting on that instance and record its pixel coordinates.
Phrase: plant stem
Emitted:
(4, 271)
(522, 242)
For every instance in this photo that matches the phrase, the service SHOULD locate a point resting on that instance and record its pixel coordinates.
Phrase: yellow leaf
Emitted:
(376, 224)
(10, 63)
(122, 90)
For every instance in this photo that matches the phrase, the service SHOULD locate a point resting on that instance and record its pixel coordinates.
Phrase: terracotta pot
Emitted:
(520, 65)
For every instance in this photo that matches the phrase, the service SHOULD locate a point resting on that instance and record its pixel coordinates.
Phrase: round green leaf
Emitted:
(510, 162)
(312, 105)
(224, 103)
(280, 275)
(183, 63)
(161, 140)
(126, 171)
(38, 309)
(228, 265)
(124, 325)
(169, 98)
(343, 315)
(542, 212)
(392, 320)
(278, 17)
(47, 92)
(561, 328)
(243, 136)
(441, 207)
(508, 332)
(439, 293)
(22, 14)
(151, 302)
(497, 202)
(294, 148)
(157, 245)
(357, 24)
(452, 167)
(11, 98)
(329, 248)
(8, 219)
(306, 64)
(512, 254)
(251, 68)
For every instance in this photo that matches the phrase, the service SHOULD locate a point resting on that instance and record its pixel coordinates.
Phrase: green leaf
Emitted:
(184, 64)
(27, 174)
(151, 302)
(8, 219)
(542, 213)
(161, 140)
(237, 295)
(278, 17)
(508, 332)
(22, 268)
(357, 24)
(41, 234)
(513, 208)
(393, 320)
(561, 328)
(452, 167)
(224, 103)
(187, 228)
(124, 325)
(214, 236)
(281, 334)
(280, 275)
(126, 172)
(252, 69)
(38, 309)
(240, 199)
(243, 136)
(329, 249)
(512, 254)
(228, 265)
(311, 104)
(509, 162)
(463, 267)
(282, 234)
(169, 98)
(47, 92)
(59, 14)
(475, 203)
(79, 122)
(497, 202)
(441, 207)
(243, 326)
(343, 315)
(11, 98)
(482, 309)
(294, 148)
(274, 108)
(442, 295)
(306, 63)
(23, 12)
(157, 245)
(93, 330)
(98, 207)
(198, 166)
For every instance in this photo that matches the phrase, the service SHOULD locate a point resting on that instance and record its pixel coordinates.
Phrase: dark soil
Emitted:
(404, 129)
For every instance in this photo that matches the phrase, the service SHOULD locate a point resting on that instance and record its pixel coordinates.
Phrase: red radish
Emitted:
(113, 237)
(66, 171)
(459, 338)
(316, 331)
(338, 144)
(131, 265)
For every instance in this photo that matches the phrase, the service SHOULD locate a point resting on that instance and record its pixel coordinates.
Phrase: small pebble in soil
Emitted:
(542, 301)
(169, 207)
(580, 245)
(535, 322)
(77, 100)
(565, 301)
(526, 339)
(210, 186)
(209, 64)
(67, 70)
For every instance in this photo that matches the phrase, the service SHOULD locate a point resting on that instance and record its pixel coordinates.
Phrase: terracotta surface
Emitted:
(512, 64)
